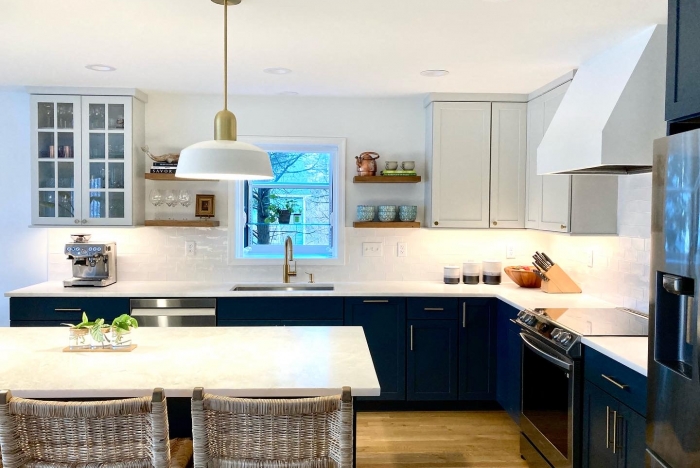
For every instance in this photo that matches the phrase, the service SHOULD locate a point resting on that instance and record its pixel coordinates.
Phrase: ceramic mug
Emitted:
(391, 165)
(408, 165)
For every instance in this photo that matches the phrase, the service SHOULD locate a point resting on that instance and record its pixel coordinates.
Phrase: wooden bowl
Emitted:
(523, 278)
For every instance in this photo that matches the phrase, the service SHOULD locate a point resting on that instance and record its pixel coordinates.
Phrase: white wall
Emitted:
(22, 249)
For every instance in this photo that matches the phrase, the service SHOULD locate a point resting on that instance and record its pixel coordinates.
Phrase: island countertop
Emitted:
(509, 292)
(233, 361)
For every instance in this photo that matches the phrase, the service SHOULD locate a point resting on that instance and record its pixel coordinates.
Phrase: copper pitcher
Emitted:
(366, 164)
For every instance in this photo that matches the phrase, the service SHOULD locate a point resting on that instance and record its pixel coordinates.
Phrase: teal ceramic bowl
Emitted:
(366, 212)
(387, 213)
(408, 213)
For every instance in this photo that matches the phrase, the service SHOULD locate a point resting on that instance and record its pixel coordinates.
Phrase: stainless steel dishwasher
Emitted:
(171, 312)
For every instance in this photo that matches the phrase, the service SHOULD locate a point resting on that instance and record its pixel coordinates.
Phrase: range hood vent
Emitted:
(612, 112)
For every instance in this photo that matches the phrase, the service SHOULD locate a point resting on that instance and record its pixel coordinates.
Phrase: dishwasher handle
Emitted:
(179, 312)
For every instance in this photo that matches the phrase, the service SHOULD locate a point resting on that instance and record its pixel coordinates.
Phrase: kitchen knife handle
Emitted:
(614, 382)
(607, 427)
(411, 337)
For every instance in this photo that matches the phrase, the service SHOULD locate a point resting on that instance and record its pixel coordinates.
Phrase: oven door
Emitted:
(548, 392)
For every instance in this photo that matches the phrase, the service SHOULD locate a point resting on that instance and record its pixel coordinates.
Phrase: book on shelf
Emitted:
(399, 173)
(155, 170)
(164, 164)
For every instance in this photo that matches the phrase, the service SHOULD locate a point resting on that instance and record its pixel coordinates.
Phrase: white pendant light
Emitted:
(224, 157)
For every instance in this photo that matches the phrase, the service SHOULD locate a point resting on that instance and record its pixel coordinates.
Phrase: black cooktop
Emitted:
(597, 322)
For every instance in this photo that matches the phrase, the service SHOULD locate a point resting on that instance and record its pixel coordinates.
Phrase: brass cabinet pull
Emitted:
(464, 315)
(411, 337)
(436, 223)
(614, 431)
(433, 309)
(495, 223)
(563, 226)
(371, 301)
(68, 310)
(607, 427)
(614, 382)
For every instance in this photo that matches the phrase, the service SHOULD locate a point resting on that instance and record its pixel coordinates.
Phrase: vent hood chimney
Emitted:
(612, 112)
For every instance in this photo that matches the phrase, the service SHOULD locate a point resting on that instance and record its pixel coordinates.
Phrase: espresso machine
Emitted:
(94, 264)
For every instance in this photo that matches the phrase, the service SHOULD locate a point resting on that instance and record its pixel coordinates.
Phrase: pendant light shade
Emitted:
(224, 157)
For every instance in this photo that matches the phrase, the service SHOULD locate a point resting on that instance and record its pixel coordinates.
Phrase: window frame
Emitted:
(236, 197)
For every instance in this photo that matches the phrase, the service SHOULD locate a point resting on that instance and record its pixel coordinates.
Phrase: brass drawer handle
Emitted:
(614, 382)
(375, 301)
(68, 310)
(433, 309)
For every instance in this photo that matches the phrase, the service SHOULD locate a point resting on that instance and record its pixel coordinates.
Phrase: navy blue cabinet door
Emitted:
(599, 412)
(509, 357)
(43, 310)
(477, 350)
(432, 364)
(631, 434)
(384, 323)
(683, 59)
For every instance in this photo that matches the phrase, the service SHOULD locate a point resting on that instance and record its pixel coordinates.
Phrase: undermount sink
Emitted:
(283, 287)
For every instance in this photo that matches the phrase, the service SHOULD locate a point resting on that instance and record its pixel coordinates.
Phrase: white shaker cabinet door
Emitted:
(535, 133)
(459, 153)
(508, 164)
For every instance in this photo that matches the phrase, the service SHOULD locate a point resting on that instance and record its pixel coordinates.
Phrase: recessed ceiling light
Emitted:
(288, 93)
(277, 71)
(434, 73)
(100, 68)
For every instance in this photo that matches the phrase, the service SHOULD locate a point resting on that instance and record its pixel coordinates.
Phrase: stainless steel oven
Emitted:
(551, 385)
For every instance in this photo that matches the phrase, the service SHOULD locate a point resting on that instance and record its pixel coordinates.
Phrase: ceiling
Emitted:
(358, 47)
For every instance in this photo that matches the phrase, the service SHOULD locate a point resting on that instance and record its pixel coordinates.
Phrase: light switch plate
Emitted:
(402, 249)
(372, 249)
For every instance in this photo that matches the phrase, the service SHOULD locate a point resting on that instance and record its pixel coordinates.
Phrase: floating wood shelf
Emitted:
(380, 224)
(181, 223)
(386, 179)
(150, 176)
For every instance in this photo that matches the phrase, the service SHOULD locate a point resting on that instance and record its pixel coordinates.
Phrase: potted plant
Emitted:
(122, 327)
(281, 209)
(99, 332)
(78, 333)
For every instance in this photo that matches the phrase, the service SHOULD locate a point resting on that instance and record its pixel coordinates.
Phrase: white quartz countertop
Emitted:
(234, 361)
(629, 351)
(509, 292)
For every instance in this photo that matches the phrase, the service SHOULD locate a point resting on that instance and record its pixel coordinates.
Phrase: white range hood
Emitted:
(612, 112)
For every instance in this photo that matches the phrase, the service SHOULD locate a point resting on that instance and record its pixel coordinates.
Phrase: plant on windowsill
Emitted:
(122, 328)
(280, 209)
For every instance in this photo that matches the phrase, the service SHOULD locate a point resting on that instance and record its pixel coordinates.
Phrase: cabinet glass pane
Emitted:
(97, 204)
(116, 146)
(46, 145)
(97, 175)
(47, 178)
(65, 115)
(116, 116)
(45, 114)
(65, 204)
(116, 204)
(97, 146)
(65, 145)
(47, 204)
(65, 174)
(116, 175)
(97, 116)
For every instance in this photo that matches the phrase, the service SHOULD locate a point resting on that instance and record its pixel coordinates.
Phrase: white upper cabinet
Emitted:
(458, 164)
(508, 164)
(86, 166)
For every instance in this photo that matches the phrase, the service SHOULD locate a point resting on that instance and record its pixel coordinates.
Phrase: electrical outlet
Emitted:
(590, 258)
(402, 249)
(372, 249)
(510, 251)
(190, 248)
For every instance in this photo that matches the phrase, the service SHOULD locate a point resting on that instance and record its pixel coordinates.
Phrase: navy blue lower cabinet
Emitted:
(44, 310)
(384, 324)
(248, 323)
(432, 371)
(477, 350)
(509, 360)
(632, 438)
(279, 308)
(599, 411)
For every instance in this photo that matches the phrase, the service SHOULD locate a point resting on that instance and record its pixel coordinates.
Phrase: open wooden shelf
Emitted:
(181, 223)
(386, 179)
(390, 224)
(150, 176)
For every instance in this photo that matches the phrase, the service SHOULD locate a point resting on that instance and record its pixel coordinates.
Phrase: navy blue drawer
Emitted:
(279, 323)
(279, 308)
(623, 383)
(66, 309)
(433, 308)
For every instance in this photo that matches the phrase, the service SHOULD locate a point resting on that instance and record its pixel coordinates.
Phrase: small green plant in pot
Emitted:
(99, 332)
(281, 209)
(78, 333)
(122, 328)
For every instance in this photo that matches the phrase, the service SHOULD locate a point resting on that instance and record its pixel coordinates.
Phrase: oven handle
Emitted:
(545, 355)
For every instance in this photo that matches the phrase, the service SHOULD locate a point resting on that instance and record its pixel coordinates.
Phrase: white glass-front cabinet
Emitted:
(86, 169)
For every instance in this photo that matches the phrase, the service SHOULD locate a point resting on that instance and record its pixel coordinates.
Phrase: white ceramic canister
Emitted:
(451, 274)
(491, 270)
(471, 270)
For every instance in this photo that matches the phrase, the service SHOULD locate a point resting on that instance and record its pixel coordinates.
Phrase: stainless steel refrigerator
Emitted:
(673, 413)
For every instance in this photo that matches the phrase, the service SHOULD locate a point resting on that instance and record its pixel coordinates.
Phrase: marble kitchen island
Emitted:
(233, 361)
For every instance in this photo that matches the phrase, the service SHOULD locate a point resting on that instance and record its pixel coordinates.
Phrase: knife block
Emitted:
(559, 282)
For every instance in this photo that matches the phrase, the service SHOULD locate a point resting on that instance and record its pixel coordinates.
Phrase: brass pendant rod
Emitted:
(225, 54)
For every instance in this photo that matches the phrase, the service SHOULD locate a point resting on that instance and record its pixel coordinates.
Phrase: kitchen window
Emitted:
(304, 201)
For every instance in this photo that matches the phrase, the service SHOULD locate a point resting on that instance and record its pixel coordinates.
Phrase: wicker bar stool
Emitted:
(272, 433)
(129, 433)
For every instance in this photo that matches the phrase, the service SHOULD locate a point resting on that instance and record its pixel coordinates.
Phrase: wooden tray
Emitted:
(101, 350)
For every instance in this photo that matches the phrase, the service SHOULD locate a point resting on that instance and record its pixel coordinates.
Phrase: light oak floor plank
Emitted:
(454, 439)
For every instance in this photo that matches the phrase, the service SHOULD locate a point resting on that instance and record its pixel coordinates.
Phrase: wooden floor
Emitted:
(487, 439)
